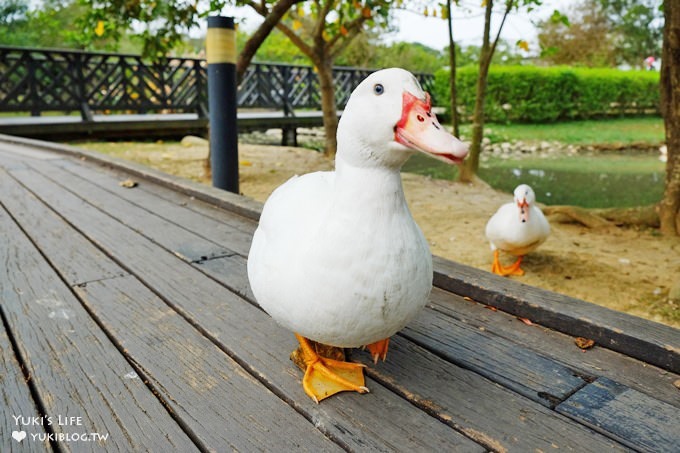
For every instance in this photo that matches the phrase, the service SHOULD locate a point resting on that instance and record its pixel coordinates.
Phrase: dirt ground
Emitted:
(621, 268)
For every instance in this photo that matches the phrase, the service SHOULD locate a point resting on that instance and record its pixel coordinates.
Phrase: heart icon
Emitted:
(19, 435)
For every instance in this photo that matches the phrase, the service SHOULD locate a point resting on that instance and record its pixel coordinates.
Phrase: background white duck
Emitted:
(516, 228)
(337, 257)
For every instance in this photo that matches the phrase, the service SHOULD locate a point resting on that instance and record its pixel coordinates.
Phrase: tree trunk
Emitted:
(669, 208)
(470, 166)
(452, 80)
(328, 107)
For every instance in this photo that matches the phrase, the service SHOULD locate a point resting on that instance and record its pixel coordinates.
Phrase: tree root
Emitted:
(644, 216)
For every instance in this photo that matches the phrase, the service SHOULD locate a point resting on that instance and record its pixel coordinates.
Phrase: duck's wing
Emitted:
(292, 211)
(497, 224)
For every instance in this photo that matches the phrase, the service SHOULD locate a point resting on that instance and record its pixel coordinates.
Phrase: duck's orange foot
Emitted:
(514, 268)
(325, 377)
(378, 349)
(498, 269)
(496, 266)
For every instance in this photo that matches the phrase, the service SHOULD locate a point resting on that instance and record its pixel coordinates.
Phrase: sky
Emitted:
(468, 23)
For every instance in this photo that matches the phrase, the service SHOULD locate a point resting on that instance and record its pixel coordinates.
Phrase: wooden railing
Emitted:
(43, 80)
(46, 80)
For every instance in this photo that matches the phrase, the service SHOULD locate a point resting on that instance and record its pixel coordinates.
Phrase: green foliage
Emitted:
(638, 25)
(48, 26)
(162, 24)
(276, 48)
(414, 57)
(536, 94)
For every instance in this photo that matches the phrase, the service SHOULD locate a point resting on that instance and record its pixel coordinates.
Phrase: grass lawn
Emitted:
(610, 131)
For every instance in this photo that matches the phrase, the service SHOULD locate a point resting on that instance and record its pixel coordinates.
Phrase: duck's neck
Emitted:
(374, 189)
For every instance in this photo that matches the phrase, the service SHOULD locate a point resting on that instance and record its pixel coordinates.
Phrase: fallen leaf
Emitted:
(677, 384)
(128, 184)
(526, 321)
(584, 343)
(467, 298)
(489, 307)
(246, 163)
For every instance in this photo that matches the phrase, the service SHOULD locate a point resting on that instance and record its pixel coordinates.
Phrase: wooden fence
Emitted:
(46, 80)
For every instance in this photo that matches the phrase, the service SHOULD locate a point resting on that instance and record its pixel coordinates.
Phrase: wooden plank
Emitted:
(493, 415)
(222, 405)
(234, 239)
(510, 364)
(140, 339)
(182, 242)
(635, 419)
(232, 272)
(17, 407)
(145, 125)
(252, 336)
(241, 403)
(87, 262)
(220, 198)
(596, 361)
(646, 340)
(205, 208)
(75, 369)
(17, 150)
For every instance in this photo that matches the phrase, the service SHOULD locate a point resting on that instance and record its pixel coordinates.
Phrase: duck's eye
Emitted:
(378, 89)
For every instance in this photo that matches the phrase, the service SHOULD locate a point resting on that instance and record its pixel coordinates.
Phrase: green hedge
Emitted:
(537, 94)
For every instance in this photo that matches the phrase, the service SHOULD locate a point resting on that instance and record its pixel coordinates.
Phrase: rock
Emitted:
(192, 140)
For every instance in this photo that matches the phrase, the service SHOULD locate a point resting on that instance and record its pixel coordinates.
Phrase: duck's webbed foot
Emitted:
(325, 377)
(514, 268)
(378, 349)
(499, 269)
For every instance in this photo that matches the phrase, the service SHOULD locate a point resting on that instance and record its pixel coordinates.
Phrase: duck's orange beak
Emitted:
(419, 129)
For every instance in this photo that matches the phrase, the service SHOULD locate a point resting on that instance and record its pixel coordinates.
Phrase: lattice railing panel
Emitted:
(39, 80)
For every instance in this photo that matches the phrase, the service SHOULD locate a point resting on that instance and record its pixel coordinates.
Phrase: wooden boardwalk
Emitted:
(128, 325)
(127, 126)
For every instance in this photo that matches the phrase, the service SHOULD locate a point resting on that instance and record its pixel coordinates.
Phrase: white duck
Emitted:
(516, 228)
(337, 257)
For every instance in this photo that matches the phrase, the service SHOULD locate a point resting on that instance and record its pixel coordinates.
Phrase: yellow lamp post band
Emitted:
(221, 45)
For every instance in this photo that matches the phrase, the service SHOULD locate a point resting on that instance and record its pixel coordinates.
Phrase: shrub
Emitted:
(539, 95)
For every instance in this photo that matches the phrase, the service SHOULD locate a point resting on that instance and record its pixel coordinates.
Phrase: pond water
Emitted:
(601, 180)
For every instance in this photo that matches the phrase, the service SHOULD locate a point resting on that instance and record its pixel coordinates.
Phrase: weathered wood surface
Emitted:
(636, 337)
(16, 402)
(637, 420)
(145, 125)
(153, 291)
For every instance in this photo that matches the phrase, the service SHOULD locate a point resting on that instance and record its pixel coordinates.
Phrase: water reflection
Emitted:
(589, 181)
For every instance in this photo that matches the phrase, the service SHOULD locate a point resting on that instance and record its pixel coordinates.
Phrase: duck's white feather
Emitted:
(506, 231)
(337, 263)
(337, 256)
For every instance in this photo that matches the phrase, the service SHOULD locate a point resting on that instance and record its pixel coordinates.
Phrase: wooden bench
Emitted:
(128, 324)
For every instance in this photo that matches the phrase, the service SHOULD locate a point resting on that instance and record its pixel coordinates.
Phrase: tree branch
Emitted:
(271, 19)
(298, 41)
(508, 6)
(321, 20)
